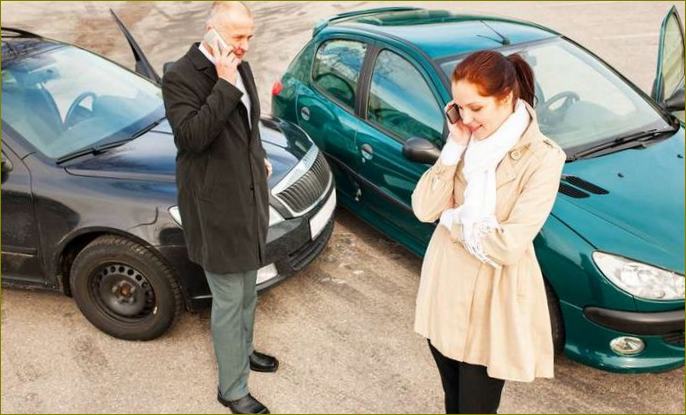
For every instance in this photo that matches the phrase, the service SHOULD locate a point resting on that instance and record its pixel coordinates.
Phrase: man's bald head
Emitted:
(234, 22)
(227, 9)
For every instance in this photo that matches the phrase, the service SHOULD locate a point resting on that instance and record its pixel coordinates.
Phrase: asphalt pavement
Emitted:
(342, 327)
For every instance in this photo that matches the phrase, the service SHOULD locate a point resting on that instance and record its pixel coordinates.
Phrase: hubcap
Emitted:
(122, 291)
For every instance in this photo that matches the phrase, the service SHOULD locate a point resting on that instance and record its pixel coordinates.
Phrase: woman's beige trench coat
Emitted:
(471, 311)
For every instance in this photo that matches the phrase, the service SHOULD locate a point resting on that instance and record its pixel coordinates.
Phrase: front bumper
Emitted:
(289, 247)
(590, 331)
(663, 323)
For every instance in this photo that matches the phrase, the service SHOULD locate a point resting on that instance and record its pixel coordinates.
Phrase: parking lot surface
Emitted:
(342, 327)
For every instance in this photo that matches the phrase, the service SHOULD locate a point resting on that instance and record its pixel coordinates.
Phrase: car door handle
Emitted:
(305, 113)
(6, 165)
(367, 152)
(6, 168)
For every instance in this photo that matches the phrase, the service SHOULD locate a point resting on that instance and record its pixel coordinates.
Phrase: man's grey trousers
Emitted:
(234, 297)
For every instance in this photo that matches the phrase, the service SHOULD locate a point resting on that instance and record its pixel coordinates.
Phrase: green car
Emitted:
(369, 88)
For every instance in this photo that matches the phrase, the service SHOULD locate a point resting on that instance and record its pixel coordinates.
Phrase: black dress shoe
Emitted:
(245, 405)
(260, 362)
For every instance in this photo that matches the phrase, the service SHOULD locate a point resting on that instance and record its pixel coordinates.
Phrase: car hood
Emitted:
(152, 156)
(642, 214)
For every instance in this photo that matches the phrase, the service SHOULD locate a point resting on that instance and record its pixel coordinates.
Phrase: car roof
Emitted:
(18, 44)
(438, 33)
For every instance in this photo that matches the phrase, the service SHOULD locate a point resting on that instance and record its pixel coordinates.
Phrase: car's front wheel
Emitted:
(556, 323)
(124, 289)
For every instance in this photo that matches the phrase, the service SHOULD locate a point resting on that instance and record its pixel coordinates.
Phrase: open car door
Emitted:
(668, 87)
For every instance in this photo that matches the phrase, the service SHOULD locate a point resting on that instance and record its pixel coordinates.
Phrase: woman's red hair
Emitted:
(496, 75)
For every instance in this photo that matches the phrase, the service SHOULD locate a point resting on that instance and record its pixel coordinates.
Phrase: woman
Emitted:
(481, 300)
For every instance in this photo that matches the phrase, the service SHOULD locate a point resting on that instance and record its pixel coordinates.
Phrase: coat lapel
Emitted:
(505, 172)
(251, 89)
(202, 64)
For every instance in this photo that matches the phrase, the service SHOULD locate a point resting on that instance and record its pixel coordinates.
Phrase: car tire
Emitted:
(124, 289)
(556, 322)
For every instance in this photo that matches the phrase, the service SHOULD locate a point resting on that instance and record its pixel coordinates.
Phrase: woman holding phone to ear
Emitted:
(481, 301)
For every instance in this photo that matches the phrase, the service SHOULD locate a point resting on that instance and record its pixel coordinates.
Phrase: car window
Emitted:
(337, 67)
(580, 101)
(401, 102)
(66, 99)
(302, 64)
(673, 66)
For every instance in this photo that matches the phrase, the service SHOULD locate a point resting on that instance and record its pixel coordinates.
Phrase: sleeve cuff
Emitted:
(452, 152)
(229, 90)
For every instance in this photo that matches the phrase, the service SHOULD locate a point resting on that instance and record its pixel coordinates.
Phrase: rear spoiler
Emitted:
(324, 23)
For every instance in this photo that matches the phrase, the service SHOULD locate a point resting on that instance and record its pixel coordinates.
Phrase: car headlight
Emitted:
(641, 280)
(274, 217)
(174, 212)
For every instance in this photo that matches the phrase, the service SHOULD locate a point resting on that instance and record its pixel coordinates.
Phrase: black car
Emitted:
(89, 194)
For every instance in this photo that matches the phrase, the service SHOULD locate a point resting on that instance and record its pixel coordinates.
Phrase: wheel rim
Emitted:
(123, 292)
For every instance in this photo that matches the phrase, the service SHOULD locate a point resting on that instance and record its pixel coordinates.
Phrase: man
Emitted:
(221, 175)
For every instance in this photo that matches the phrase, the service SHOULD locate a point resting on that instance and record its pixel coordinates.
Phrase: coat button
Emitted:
(515, 155)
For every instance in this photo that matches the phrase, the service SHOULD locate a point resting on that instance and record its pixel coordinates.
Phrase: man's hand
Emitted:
(268, 167)
(226, 63)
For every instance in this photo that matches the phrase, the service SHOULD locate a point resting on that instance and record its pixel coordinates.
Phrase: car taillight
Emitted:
(277, 88)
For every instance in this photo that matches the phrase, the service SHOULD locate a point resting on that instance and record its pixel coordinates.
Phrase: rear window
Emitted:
(336, 69)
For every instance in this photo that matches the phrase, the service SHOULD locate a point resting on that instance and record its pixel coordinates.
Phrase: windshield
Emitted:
(579, 101)
(67, 99)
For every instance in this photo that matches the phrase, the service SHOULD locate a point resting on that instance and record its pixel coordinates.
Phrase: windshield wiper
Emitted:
(503, 40)
(625, 141)
(98, 149)
(94, 150)
(146, 129)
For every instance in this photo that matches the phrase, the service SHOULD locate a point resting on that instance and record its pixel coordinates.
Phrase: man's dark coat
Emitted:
(220, 171)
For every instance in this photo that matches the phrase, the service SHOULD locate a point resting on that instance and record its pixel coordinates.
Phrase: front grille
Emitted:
(676, 338)
(308, 189)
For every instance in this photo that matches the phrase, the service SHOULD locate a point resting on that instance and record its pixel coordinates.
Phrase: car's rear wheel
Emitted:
(556, 323)
(124, 289)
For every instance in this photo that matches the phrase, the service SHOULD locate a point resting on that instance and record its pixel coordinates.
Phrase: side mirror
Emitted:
(6, 168)
(675, 102)
(421, 150)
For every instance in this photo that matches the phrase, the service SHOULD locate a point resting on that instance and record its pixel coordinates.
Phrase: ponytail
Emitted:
(525, 78)
(496, 75)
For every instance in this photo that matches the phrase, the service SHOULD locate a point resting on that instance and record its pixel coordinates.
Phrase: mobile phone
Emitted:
(453, 114)
(214, 39)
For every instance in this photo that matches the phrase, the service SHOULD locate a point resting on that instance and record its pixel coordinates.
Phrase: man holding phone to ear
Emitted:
(221, 174)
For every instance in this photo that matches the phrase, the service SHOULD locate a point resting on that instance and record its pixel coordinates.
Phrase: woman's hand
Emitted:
(459, 133)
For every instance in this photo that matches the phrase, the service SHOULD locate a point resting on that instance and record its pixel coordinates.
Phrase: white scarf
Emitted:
(477, 213)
